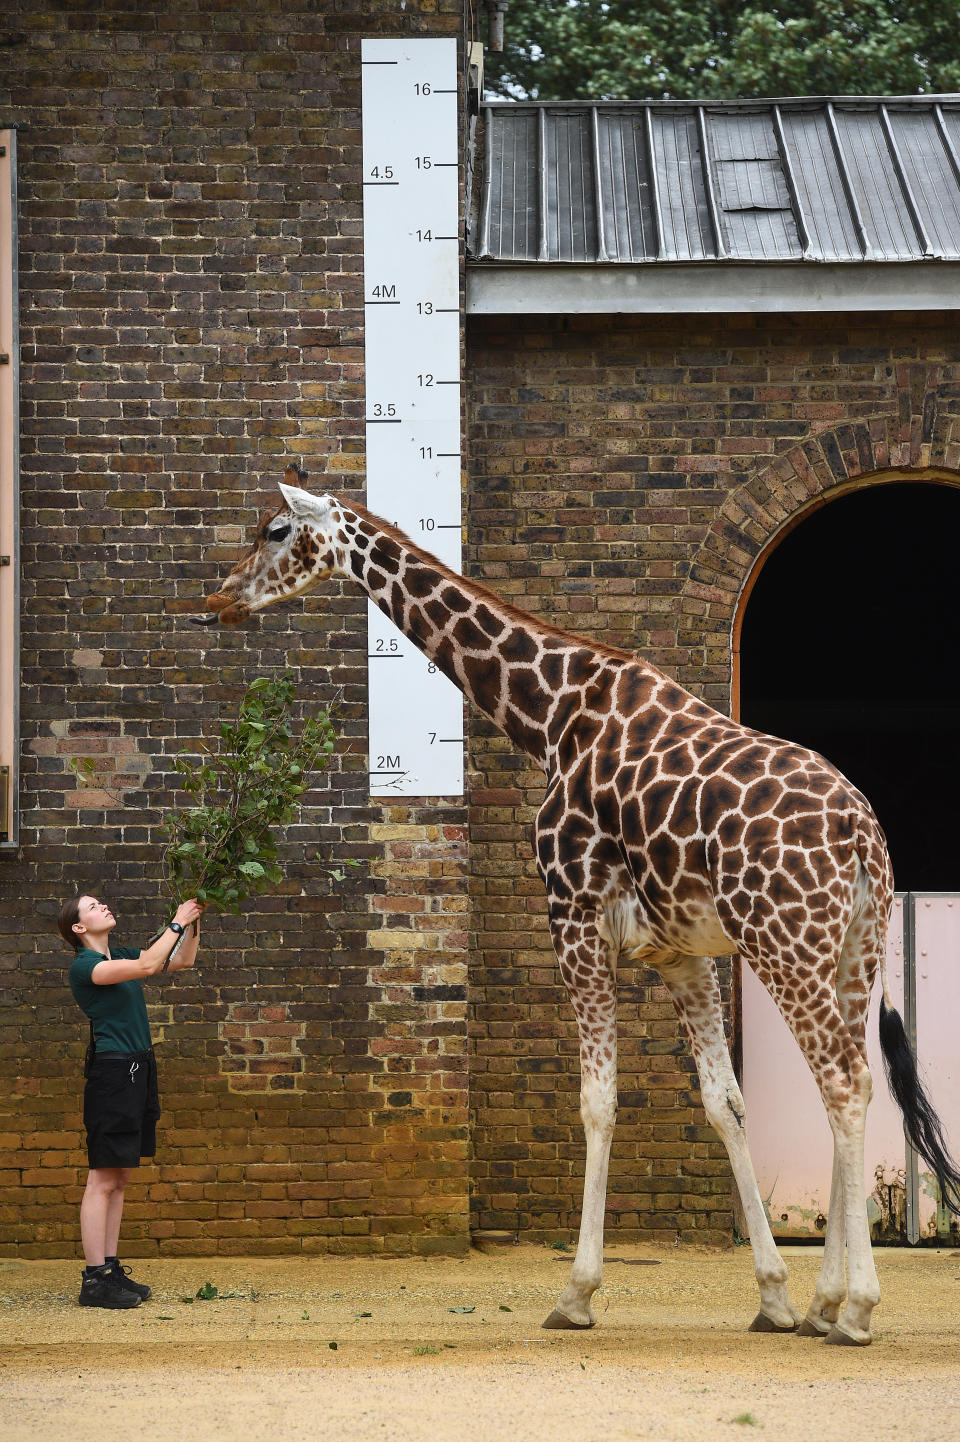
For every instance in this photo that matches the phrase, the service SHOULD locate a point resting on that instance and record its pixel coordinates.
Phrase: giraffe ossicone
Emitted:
(669, 835)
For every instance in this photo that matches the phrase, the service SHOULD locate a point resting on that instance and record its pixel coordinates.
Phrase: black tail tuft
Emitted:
(921, 1122)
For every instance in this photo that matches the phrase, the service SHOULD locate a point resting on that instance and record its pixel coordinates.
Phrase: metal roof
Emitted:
(834, 181)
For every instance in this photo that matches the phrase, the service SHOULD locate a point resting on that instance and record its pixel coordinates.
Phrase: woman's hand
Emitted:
(188, 911)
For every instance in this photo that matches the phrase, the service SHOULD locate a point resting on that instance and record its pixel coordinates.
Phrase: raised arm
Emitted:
(150, 962)
(187, 954)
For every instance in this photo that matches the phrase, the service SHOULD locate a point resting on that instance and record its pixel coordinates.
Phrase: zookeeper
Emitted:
(121, 1104)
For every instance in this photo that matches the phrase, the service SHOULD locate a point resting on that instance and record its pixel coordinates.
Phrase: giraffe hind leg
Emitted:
(856, 972)
(692, 983)
(835, 1051)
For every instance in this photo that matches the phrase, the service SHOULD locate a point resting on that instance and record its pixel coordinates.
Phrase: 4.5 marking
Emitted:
(381, 175)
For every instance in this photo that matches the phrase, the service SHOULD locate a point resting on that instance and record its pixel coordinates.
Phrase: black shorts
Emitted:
(121, 1108)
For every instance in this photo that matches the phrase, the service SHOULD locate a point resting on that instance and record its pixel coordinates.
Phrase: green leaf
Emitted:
(244, 792)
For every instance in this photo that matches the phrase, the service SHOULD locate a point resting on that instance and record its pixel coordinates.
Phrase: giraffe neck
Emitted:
(519, 671)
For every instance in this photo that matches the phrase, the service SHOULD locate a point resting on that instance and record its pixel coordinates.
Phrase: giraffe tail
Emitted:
(923, 1127)
(921, 1123)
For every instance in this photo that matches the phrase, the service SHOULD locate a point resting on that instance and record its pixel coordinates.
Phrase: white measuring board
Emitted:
(411, 259)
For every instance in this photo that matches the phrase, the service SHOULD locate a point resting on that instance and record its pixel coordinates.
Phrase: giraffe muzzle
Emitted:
(231, 613)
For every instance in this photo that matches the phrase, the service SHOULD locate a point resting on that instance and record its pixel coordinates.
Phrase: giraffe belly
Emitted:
(637, 933)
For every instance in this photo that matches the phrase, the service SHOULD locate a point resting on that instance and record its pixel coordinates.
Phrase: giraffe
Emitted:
(669, 835)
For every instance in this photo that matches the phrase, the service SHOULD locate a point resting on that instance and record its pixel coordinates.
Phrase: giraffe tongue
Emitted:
(231, 613)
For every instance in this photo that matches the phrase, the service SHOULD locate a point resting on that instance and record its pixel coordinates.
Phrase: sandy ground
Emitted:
(670, 1358)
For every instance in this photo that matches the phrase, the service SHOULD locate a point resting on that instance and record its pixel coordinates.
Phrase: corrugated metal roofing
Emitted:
(791, 180)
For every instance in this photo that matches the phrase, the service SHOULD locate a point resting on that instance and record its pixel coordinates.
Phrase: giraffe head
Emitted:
(297, 545)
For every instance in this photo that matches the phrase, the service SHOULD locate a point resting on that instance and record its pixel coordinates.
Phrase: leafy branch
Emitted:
(224, 848)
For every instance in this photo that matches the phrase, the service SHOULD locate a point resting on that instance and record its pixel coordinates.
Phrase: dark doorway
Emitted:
(851, 645)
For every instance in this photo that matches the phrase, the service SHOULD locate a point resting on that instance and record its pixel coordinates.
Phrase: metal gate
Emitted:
(790, 1138)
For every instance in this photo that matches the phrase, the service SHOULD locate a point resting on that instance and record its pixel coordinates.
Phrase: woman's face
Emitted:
(94, 916)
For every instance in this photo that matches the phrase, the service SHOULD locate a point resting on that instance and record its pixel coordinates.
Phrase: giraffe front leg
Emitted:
(692, 983)
(589, 979)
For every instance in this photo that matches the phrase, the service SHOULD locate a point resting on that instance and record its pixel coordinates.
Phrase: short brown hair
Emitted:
(69, 915)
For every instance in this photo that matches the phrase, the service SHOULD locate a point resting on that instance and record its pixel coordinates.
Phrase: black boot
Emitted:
(120, 1276)
(99, 1289)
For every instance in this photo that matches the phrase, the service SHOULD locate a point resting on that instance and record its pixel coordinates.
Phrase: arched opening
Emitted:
(849, 644)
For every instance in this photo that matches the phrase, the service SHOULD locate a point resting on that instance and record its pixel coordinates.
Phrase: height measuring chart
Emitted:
(411, 249)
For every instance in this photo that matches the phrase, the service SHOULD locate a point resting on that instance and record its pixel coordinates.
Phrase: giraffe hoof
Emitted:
(558, 1322)
(810, 1329)
(836, 1337)
(763, 1323)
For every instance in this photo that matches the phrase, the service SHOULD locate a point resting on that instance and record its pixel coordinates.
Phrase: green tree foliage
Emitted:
(224, 848)
(698, 49)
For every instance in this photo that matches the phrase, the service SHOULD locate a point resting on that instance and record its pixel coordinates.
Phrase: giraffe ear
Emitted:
(300, 502)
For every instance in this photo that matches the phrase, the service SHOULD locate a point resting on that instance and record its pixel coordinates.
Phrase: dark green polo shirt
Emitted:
(118, 1012)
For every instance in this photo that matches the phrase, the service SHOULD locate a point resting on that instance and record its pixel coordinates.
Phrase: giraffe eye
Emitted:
(280, 534)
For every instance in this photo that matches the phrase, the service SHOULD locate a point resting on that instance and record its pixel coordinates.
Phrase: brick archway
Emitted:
(920, 442)
(927, 476)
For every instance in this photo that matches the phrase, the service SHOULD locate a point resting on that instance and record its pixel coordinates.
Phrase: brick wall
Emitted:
(625, 474)
(191, 319)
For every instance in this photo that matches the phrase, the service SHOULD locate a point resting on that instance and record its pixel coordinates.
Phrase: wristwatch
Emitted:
(175, 926)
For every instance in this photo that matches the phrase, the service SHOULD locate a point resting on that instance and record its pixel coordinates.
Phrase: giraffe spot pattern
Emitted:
(667, 829)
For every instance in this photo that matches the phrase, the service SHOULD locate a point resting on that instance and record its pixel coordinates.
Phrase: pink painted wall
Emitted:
(938, 1019)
